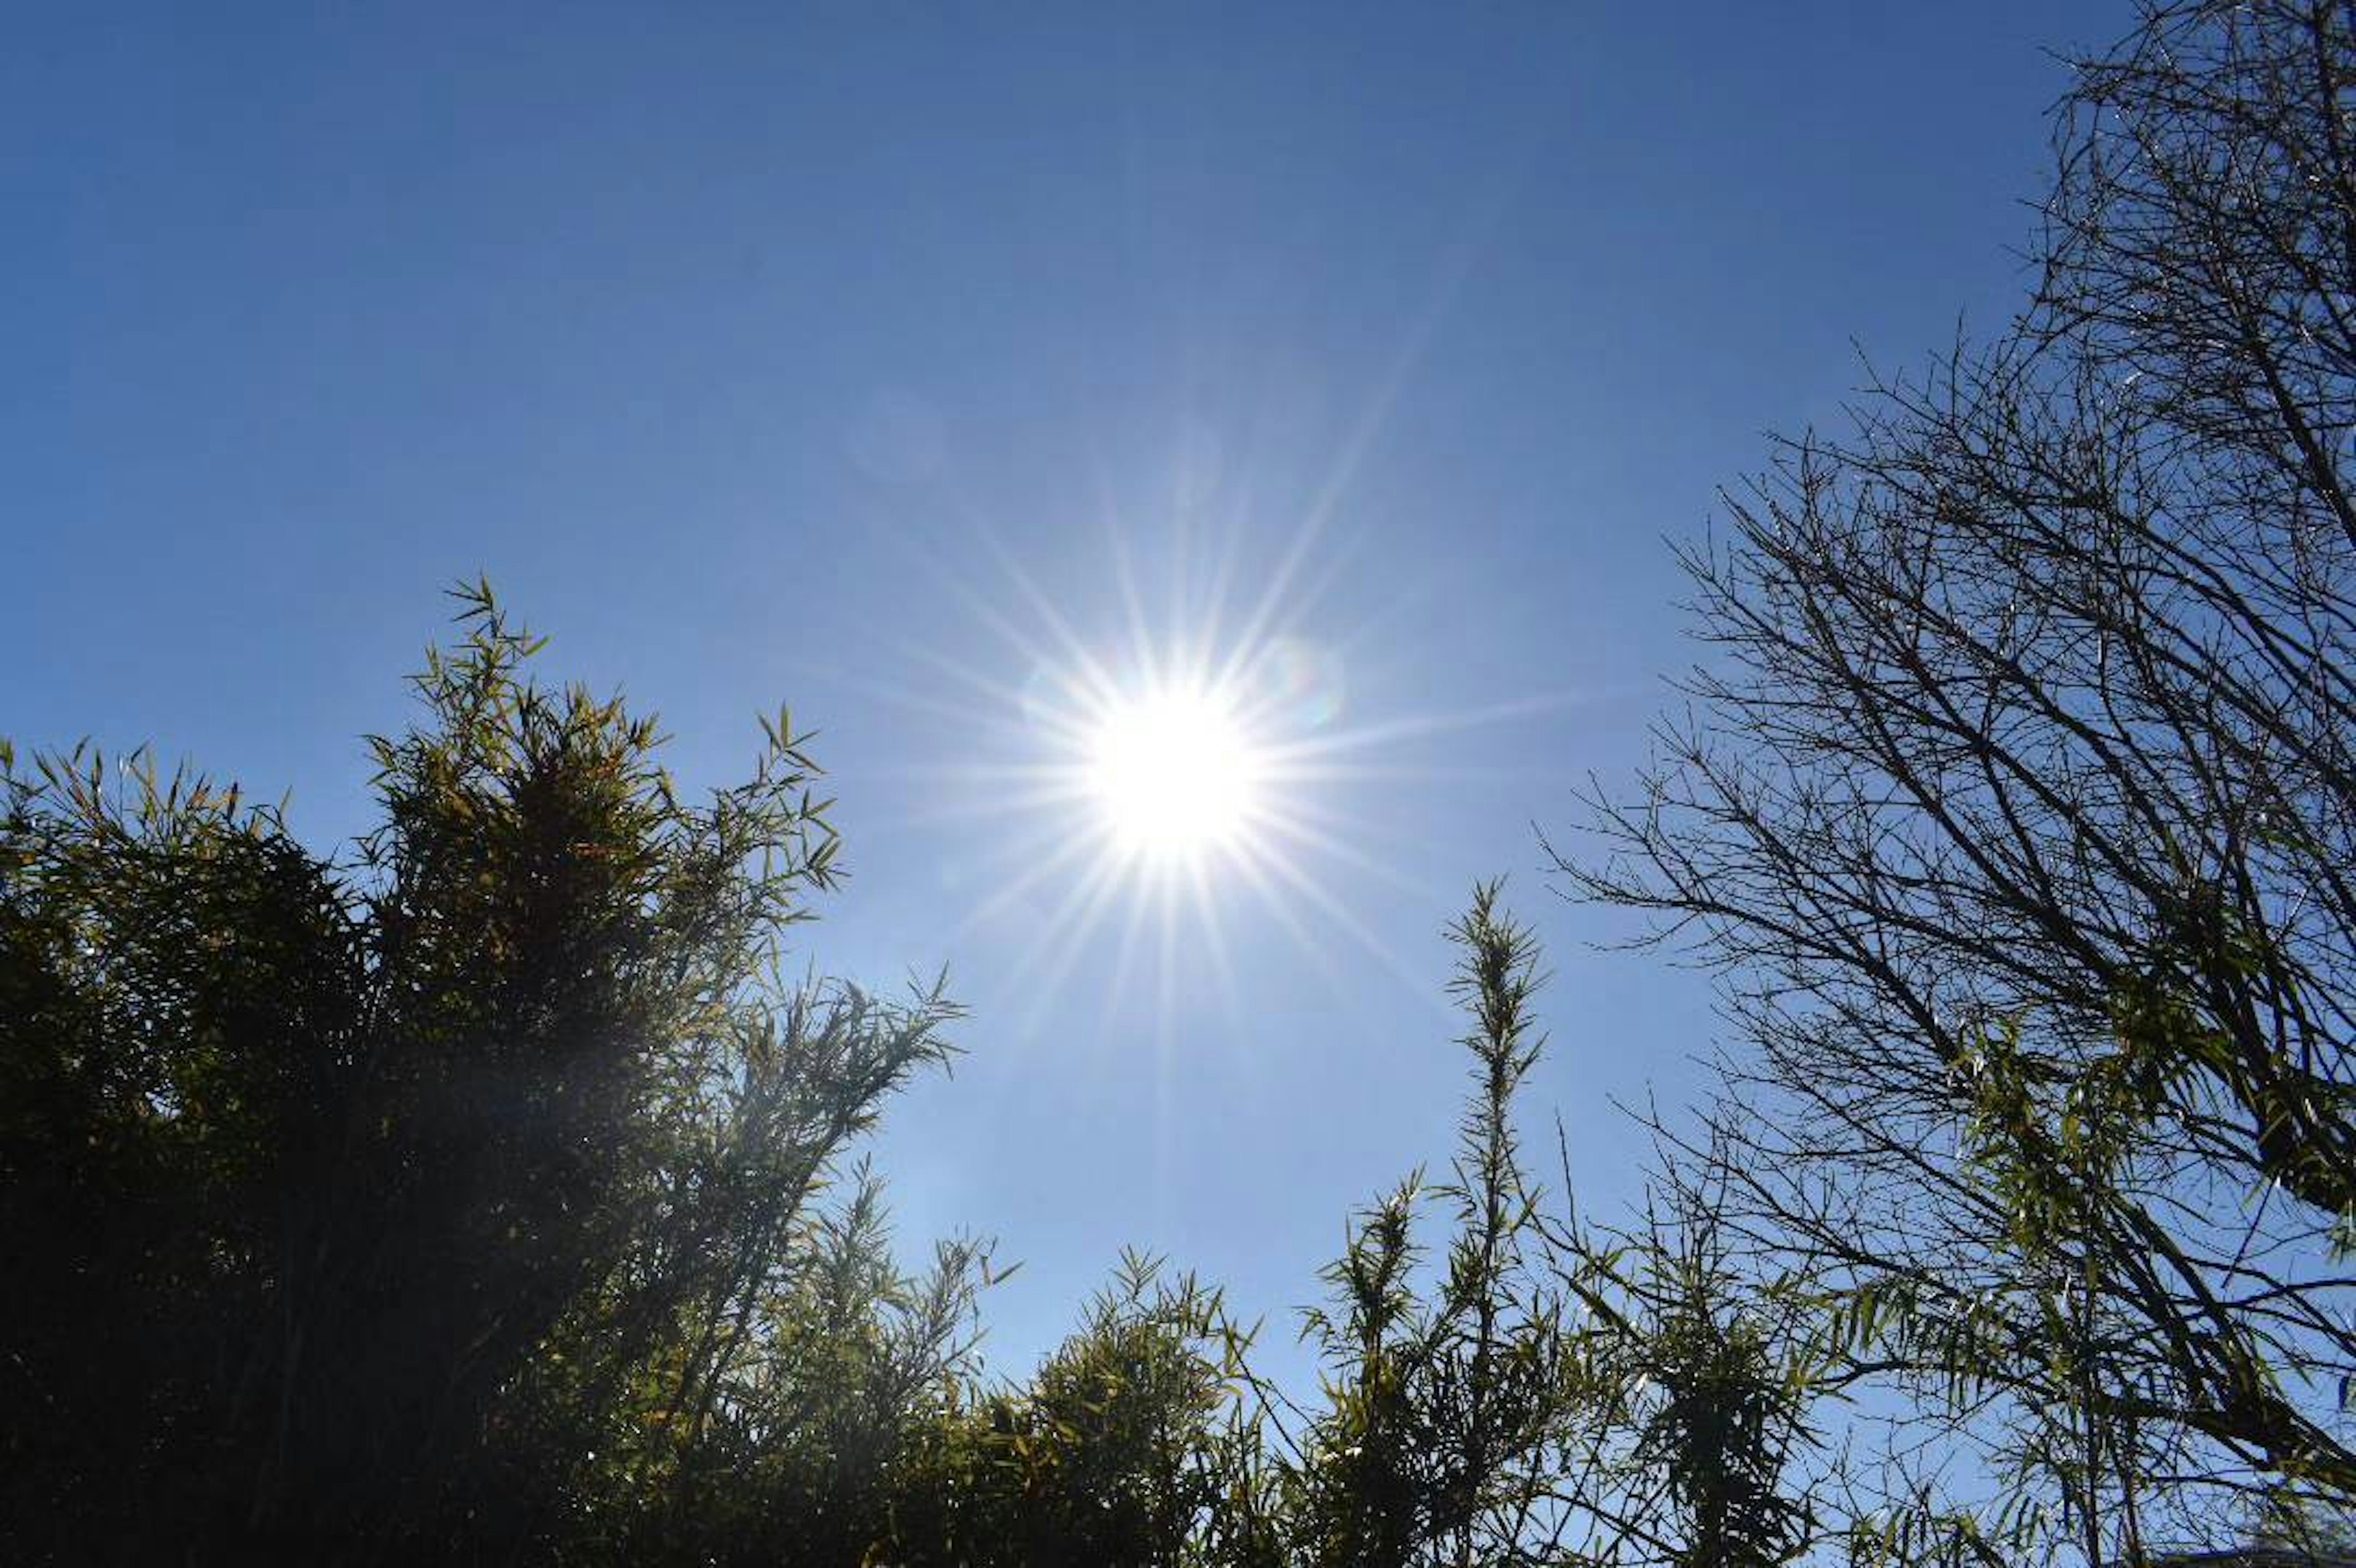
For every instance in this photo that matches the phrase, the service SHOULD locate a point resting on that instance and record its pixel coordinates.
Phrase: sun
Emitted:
(1174, 774)
(1152, 784)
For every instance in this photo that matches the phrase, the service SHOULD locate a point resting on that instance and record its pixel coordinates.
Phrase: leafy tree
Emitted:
(1700, 1382)
(1450, 1415)
(2016, 807)
(1133, 1446)
(483, 1195)
(462, 1196)
(1543, 1392)
(2293, 1518)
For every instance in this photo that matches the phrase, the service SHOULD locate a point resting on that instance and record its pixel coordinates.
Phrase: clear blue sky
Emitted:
(835, 354)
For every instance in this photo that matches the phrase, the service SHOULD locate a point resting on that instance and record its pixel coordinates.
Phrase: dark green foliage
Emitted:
(482, 1198)
(1443, 1401)
(1131, 1446)
(1710, 1375)
(379, 1210)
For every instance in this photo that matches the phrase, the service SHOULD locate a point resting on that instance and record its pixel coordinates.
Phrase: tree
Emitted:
(1462, 1417)
(2015, 809)
(465, 1196)
(1700, 1382)
(1133, 1446)
(1540, 1392)
(483, 1195)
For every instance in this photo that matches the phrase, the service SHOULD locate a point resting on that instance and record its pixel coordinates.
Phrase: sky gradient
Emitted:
(884, 360)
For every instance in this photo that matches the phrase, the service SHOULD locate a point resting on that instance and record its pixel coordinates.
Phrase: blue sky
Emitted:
(889, 361)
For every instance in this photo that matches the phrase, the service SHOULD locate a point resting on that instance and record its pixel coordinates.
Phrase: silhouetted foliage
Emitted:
(464, 1194)
(1132, 1444)
(1546, 1394)
(1701, 1449)
(482, 1196)
(1447, 1411)
(2016, 805)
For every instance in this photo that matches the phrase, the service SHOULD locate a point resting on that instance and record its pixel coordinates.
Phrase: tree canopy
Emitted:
(2015, 805)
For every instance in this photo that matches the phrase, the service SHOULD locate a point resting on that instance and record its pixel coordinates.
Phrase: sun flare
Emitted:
(1159, 781)
(1174, 774)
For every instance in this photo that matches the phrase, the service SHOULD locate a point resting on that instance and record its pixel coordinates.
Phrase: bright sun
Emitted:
(1174, 774)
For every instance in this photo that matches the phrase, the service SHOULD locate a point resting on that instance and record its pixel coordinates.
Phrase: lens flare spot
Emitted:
(1300, 683)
